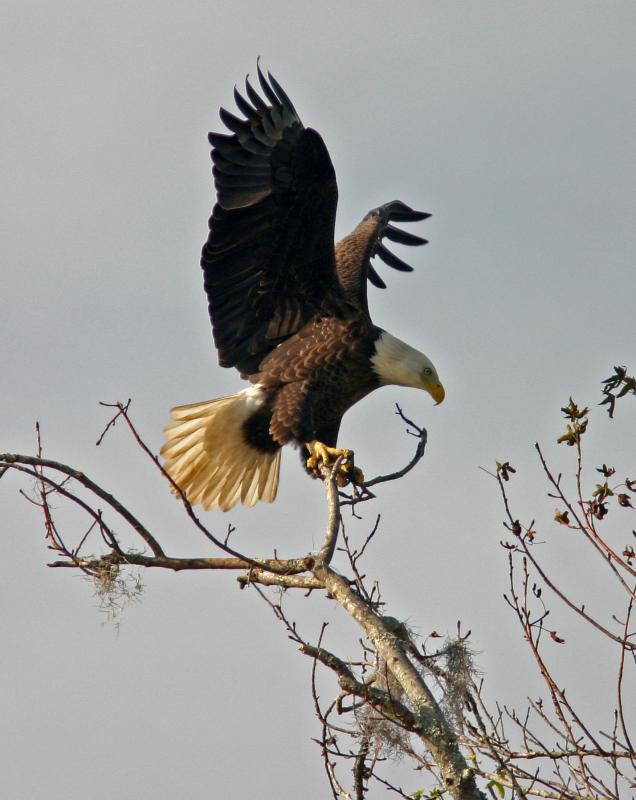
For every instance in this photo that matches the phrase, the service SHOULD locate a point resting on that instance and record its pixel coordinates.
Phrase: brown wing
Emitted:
(355, 251)
(269, 262)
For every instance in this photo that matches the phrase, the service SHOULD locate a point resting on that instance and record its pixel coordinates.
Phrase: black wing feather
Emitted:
(270, 94)
(257, 101)
(392, 260)
(243, 106)
(403, 237)
(374, 278)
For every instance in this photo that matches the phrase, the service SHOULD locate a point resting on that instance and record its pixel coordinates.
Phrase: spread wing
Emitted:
(269, 262)
(355, 251)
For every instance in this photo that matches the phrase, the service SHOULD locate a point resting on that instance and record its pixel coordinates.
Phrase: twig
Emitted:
(15, 459)
(422, 437)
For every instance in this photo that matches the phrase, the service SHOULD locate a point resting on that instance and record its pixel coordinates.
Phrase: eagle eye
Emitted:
(428, 371)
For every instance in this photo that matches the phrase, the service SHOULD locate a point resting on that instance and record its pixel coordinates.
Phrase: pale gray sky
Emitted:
(512, 122)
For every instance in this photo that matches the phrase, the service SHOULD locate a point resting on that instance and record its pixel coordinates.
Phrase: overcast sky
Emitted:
(513, 124)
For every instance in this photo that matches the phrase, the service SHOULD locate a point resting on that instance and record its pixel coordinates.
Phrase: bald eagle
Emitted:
(288, 309)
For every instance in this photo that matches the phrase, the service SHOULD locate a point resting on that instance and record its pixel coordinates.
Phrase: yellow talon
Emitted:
(323, 455)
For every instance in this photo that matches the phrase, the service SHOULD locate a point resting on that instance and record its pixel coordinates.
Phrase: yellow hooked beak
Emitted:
(438, 393)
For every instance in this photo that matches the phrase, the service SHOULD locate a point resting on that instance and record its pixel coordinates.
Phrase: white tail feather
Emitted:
(207, 456)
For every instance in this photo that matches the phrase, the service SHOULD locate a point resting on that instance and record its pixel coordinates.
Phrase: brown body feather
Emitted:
(315, 376)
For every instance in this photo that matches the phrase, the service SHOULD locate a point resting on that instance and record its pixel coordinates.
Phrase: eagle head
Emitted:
(397, 363)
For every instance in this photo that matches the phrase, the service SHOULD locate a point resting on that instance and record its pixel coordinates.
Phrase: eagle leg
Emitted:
(323, 455)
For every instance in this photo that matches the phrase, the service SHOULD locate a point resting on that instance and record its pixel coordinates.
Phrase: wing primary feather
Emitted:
(242, 104)
(282, 94)
(220, 139)
(269, 92)
(403, 237)
(257, 101)
(391, 260)
(400, 212)
(235, 124)
(375, 279)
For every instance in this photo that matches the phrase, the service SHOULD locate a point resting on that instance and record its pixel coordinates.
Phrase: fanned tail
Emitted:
(207, 455)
